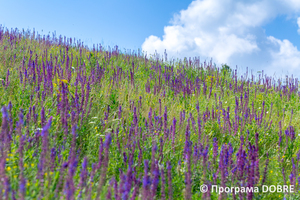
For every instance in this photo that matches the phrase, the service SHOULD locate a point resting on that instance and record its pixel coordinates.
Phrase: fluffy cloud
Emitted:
(230, 31)
(286, 58)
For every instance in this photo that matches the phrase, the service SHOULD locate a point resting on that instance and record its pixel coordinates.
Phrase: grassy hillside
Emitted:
(101, 124)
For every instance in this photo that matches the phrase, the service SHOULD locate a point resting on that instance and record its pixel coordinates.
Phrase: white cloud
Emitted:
(287, 58)
(229, 31)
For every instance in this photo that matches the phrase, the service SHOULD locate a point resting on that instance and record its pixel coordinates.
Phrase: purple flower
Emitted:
(4, 112)
(146, 178)
(169, 180)
(107, 140)
(84, 173)
(215, 150)
(124, 157)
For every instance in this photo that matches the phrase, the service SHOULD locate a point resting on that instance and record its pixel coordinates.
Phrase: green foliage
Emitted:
(127, 91)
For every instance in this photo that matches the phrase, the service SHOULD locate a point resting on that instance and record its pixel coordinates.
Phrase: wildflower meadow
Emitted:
(99, 123)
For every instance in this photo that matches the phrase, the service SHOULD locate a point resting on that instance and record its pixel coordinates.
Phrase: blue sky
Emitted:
(283, 27)
(109, 22)
(258, 34)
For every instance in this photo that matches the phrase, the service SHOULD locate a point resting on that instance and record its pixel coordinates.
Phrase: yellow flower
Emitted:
(51, 173)
(15, 176)
(32, 165)
(25, 165)
(64, 80)
(46, 174)
(8, 168)
(28, 184)
(15, 167)
(7, 159)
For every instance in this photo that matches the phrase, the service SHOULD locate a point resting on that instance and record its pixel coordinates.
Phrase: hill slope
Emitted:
(80, 123)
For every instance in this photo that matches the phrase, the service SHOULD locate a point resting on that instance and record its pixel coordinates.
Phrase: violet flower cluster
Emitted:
(81, 123)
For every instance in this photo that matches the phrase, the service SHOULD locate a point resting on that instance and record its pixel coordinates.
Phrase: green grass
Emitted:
(107, 91)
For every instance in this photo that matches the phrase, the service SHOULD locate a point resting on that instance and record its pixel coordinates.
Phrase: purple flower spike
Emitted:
(170, 180)
(107, 141)
(215, 149)
(146, 179)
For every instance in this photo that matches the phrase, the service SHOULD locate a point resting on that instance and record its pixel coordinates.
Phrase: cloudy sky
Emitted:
(258, 34)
